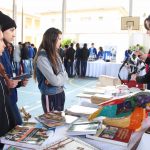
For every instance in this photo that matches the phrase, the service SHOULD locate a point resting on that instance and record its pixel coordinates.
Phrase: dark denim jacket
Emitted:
(44, 88)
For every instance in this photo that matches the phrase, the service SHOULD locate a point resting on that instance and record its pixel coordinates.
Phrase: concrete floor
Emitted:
(30, 97)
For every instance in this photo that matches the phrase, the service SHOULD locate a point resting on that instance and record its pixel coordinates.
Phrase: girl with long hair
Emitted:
(50, 72)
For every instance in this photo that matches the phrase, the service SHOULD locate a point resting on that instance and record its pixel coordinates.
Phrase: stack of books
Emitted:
(50, 120)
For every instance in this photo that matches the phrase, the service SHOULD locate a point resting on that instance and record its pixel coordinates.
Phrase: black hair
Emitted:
(147, 23)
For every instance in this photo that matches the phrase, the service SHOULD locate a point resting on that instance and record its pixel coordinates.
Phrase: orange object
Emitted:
(136, 118)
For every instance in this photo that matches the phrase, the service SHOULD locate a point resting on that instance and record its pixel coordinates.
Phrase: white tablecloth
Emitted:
(100, 67)
(95, 68)
(112, 69)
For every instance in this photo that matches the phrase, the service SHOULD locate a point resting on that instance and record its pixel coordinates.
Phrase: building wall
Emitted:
(101, 26)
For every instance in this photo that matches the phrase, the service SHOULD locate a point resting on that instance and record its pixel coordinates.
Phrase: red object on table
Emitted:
(132, 83)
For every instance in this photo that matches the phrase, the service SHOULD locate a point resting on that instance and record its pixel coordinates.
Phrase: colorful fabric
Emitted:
(126, 109)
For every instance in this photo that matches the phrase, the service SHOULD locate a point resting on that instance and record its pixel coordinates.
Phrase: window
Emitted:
(37, 23)
(28, 22)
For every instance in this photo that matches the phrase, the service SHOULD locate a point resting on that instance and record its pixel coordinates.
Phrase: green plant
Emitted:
(137, 47)
(66, 42)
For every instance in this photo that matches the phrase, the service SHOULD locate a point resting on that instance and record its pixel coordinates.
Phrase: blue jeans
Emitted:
(31, 65)
(26, 66)
(17, 68)
(83, 68)
(78, 67)
(70, 68)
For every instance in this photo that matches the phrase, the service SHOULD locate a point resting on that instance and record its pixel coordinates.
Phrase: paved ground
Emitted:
(30, 96)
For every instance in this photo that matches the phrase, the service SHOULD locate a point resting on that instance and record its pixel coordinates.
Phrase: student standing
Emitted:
(8, 29)
(7, 120)
(50, 72)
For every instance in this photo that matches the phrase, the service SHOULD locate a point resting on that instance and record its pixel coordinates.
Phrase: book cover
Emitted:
(68, 143)
(26, 137)
(114, 135)
(51, 120)
(82, 126)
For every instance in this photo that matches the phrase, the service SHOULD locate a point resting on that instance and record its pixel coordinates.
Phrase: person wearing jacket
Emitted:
(7, 119)
(78, 59)
(49, 71)
(145, 79)
(70, 54)
(8, 29)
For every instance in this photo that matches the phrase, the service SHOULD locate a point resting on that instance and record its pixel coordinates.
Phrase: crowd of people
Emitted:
(22, 56)
(52, 66)
(76, 56)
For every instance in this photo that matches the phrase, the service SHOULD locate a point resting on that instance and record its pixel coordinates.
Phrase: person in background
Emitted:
(35, 49)
(30, 56)
(92, 51)
(8, 29)
(78, 59)
(70, 55)
(25, 58)
(65, 58)
(84, 59)
(61, 53)
(49, 71)
(17, 58)
(145, 79)
(127, 54)
(100, 53)
(7, 118)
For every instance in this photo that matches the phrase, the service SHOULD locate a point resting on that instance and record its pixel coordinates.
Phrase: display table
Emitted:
(100, 67)
(95, 68)
(60, 132)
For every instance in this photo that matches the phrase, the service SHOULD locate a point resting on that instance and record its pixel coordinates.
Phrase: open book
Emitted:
(26, 137)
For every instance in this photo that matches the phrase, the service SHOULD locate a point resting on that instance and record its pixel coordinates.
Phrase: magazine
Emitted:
(51, 119)
(26, 137)
(114, 135)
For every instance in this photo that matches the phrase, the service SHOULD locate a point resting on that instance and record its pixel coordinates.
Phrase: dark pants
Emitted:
(83, 68)
(148, 86)
(1, 146)
(53, 102)
(78, 67)
(65, 64)
(70, 68)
